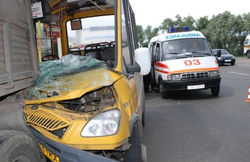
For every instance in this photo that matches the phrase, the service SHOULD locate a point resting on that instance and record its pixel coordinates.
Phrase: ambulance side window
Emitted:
(152, 49)
(158, 52)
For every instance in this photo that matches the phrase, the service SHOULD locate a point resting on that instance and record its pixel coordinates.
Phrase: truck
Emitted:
(18, 69)
(90, 105)
(183, 60)
(247, 46)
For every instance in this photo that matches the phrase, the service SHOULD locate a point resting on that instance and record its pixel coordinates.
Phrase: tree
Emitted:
(202, 23)
(167, 24)
(150, 33)
(246, 20)
(179, 22)
(224, 30)
(140, 33)
(188, 21)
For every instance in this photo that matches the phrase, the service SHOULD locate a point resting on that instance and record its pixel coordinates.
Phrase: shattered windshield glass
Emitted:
(52, 71)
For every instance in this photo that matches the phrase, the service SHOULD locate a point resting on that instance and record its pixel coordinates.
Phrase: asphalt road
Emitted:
(196, 127)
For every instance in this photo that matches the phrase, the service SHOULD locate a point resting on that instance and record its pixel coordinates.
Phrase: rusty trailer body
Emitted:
(18, 54)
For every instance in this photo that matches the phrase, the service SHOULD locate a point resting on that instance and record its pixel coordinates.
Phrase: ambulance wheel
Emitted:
(17, 146)
(134, 154)
(215, 91)
(162, 89)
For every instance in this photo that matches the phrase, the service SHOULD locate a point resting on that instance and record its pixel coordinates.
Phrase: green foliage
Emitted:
(150, 33)
(140, 34)
(246, 20)
(144, 36)
(224, 30)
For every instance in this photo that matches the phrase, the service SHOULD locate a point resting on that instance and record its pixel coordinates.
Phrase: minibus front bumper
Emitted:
(60, 152)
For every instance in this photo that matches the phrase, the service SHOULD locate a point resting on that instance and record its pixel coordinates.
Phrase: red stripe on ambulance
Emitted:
(161, 65)
(162, 71)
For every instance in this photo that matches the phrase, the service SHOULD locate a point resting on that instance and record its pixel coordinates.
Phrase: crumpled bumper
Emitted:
(66, 153)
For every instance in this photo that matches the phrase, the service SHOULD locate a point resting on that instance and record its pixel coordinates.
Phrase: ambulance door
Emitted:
(157, 53)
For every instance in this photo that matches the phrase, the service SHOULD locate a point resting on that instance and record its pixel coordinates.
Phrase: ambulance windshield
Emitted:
(183, 47)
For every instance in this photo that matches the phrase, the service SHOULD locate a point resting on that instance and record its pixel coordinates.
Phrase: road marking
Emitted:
(244, 65)
(244, 74)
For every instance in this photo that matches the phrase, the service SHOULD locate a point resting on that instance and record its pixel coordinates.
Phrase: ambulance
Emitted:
(183, 60)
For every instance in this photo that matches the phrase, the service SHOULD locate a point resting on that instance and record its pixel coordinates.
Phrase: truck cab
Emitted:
(183, 60)
(91, 106)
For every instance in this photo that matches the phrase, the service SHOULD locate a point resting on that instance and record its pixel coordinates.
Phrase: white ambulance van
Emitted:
(183, 60)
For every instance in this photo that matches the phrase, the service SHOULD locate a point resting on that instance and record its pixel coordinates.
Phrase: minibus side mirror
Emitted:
(142, 58)
(218, 54)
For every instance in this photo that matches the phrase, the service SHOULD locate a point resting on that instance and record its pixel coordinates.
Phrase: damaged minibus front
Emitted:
(89, 105)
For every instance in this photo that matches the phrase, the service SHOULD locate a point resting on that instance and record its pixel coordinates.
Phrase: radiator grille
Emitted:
(43, 119)
(194, 75)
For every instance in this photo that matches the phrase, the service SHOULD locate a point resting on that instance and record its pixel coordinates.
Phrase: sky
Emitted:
(153, 12)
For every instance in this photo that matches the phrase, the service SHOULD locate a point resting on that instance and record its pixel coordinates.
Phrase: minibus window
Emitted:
(94, 30)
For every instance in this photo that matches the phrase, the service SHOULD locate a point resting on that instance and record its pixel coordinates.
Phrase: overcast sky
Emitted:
(153, 12)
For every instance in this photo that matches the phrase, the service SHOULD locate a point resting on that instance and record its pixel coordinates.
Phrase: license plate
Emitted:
(49, 154)
(201, 86)
(227, 60)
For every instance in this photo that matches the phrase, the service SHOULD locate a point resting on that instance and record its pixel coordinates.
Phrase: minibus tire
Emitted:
(215, 91)
(134, 154)
(18, 146)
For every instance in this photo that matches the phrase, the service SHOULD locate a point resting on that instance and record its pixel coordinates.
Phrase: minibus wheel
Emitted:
(134, 154)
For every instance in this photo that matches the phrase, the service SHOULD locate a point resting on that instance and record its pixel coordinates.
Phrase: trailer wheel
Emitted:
(134, 154)
(16, 146)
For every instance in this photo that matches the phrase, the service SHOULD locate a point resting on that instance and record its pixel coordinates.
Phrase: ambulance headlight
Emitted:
(104, 124)
(214, 73)
(176, 77)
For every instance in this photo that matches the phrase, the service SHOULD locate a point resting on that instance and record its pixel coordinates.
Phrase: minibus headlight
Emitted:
(104, 124)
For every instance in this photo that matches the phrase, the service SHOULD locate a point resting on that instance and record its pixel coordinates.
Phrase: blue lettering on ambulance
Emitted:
(184, 35)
